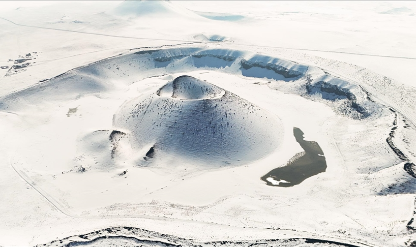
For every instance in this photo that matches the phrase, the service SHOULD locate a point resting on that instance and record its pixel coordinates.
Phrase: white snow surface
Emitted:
(216, 89)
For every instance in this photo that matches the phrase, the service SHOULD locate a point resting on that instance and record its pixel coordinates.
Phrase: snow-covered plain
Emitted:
(153, 122)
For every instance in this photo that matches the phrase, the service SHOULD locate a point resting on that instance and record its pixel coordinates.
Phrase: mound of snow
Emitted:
(134, 8)
(212, 38)
(397, 11)
(196, 121)
(221, 16)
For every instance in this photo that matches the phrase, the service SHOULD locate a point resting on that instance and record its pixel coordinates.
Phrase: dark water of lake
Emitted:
(301, 166)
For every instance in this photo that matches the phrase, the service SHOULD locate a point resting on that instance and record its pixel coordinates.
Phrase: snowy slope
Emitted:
(165, 116)
(192, 119)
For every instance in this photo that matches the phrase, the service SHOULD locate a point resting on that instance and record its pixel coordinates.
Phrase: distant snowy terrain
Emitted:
(165, 123)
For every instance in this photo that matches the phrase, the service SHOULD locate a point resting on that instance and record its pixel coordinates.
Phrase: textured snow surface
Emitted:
(152, 123)
(200, 122)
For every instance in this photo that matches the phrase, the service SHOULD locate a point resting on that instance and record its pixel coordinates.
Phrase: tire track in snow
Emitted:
(341, 52)
(201, 42)
(99, 34)
(42, 193)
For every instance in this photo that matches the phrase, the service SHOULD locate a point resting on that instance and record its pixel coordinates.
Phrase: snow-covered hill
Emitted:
(192, 119)
(152, 9)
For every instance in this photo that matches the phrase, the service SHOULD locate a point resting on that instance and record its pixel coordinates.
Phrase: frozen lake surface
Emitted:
(301, 166)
